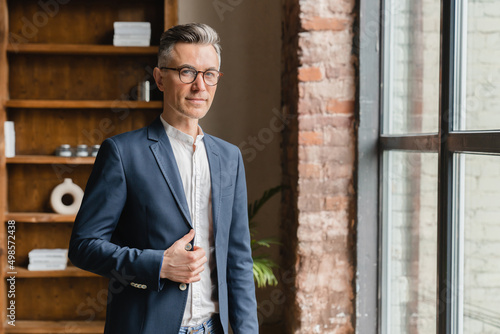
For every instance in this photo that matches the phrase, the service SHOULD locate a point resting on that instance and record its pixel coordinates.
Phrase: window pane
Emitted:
(410, 243)
(483, 65)
(481, 297)
(411, 66)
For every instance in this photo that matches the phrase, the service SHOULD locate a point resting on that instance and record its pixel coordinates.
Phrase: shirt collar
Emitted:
(177, 134)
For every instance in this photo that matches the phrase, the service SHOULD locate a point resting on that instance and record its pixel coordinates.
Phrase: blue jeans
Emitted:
(211, 326)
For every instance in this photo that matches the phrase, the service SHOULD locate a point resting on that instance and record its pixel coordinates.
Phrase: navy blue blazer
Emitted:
(134, 208)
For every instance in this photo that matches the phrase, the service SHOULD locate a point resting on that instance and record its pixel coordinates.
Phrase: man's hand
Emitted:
(180, 265)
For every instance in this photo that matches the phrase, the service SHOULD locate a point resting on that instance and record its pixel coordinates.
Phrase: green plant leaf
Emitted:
(256, 205)
(263, 272)
(262, 264)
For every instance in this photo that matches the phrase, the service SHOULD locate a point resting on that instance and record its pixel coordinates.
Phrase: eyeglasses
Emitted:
(188, 75)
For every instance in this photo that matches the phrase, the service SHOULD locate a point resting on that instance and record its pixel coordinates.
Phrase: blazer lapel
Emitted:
(216, 178)
(164, 155)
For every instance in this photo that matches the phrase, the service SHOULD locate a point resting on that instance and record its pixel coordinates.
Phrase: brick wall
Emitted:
(319, 90)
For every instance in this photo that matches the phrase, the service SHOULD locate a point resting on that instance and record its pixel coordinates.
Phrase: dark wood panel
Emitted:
(39, 218)
(81, 49)
(80, 21)
(84, 104)
(70, 271)
(49, 159)
(61, 298)
(47, 77)
(41, 131)
(53, 327)
(171, 13)
(34, 236)
(4, 68)
(30, 186)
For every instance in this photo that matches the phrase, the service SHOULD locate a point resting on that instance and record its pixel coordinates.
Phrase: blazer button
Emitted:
(182, 286)
(188, 247)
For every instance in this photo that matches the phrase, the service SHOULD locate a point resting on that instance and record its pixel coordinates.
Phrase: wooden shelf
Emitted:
(50, 159)
(26, 326)
(81, 49)
(39, 217)
(82, 104)
(70, 271)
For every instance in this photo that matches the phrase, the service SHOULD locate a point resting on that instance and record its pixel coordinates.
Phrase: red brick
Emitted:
(338, 171)
(341, 70)
(325, 23)
(337, 203)
(313, 122)
(340, 107)
(310, 106)
(309, 171)
(310, 138)
(334, 187)
(342, 137)
(331, 154)
(310, 203)
(310, 74)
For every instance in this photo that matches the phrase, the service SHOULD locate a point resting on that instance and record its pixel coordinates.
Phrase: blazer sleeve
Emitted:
(90, 246)
(241, 286)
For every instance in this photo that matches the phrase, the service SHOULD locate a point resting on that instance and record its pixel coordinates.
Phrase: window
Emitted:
(436, 152)
(440, 222)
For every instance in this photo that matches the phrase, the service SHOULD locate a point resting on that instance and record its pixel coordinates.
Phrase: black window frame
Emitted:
(371, 147)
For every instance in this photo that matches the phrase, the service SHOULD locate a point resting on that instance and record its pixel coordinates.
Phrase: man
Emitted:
(165, 209)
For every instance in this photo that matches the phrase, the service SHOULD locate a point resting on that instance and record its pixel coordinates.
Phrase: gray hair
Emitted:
(193, 33)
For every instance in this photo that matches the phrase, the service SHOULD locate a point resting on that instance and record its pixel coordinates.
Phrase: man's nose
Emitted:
(199, 82)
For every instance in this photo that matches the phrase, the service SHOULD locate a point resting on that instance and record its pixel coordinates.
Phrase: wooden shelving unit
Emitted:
(79, 49)
(64, 84)
(42, 327)
(39, 217)
(81, 104)
(70, 271)
(49, 159)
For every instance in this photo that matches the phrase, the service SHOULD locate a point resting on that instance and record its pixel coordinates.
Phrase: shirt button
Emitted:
(182, 286)
(188, 247)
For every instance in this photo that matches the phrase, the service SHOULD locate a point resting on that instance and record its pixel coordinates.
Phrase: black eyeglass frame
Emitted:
(179, 69)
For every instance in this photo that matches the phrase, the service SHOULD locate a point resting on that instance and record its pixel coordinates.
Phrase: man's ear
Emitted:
(158, 79)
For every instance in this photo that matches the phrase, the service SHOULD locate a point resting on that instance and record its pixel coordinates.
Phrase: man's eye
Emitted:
(211, 74)
(188, 72)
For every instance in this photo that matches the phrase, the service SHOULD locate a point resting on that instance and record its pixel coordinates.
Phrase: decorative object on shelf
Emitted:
(132, 33)
(95, 150)
(82, 151)
(143, 91)
(10, 139)
(64, 151)
(48, 259)
(66, 198)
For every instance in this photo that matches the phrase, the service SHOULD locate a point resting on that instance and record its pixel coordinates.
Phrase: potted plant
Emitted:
(263, 265)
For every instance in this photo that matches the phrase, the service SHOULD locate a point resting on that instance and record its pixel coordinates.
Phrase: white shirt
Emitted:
(192, 162)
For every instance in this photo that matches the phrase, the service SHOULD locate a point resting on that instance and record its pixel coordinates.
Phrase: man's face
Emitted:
(188, 100)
